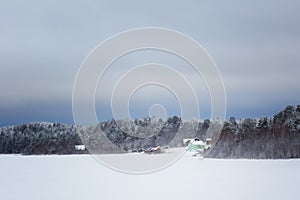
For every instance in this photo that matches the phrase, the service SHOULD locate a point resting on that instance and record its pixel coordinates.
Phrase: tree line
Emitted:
(267, 137)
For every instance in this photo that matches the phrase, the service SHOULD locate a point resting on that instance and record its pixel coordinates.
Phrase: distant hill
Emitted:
(271, 138)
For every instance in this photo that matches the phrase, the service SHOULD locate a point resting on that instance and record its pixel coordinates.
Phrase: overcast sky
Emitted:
(255, 44)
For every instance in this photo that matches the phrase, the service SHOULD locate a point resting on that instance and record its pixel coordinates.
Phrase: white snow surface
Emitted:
(73, 177)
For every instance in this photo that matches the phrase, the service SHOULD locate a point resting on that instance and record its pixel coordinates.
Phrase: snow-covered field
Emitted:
(82, 177)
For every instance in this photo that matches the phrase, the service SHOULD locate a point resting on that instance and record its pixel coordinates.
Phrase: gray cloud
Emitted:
(42, 44)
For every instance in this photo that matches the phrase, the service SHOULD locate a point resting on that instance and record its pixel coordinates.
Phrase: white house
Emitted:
(79, 147)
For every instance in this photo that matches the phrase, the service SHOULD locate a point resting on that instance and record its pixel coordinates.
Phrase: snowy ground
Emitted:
(82, 177)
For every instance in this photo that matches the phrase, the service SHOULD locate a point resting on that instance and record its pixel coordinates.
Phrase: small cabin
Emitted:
(153, 150)
(79, 147)
(208, 141)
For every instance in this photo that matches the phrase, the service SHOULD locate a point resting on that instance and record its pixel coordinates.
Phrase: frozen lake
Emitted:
(77, 177)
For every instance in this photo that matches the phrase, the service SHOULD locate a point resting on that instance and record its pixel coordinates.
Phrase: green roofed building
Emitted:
(196, 146)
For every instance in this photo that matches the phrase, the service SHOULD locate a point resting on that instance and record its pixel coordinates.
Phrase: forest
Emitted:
(276, 137)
